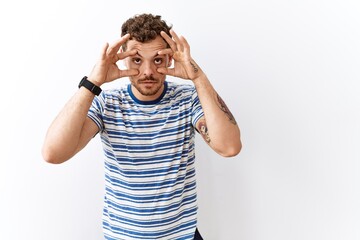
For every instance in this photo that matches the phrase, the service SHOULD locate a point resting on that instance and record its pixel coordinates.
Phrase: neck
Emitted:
(147, 99)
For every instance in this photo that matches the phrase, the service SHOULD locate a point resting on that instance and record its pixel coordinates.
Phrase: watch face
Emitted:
(82, 81)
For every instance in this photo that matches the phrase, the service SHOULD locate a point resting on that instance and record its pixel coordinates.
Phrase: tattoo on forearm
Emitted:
(225, 109)
(204, 131)
(194, 67)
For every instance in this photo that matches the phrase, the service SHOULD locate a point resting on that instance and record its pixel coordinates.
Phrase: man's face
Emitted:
(148, 84)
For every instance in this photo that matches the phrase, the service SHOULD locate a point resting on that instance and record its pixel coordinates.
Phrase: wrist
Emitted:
(200, 78)
(89, 85)
(94, 81)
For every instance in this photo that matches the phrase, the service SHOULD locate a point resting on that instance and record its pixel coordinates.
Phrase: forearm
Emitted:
(64, 134)
(221, 131)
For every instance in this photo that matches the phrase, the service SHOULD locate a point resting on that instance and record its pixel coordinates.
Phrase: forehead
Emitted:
(147, 48)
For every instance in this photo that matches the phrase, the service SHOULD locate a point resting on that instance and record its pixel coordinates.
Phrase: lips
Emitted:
(147, 81)
(148, 84)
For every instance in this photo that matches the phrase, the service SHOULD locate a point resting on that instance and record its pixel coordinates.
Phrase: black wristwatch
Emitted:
(90, 86)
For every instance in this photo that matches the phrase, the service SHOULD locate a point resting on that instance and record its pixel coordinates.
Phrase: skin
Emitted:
(217, 127)
(149, 83)
(147, 67)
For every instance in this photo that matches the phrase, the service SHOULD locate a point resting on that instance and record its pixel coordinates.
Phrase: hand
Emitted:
(106, 69)
(184, 66)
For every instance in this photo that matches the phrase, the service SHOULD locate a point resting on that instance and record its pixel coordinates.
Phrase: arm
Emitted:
(72, 129)
(218, 126)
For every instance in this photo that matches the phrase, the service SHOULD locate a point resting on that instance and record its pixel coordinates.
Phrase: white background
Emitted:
(288, 70)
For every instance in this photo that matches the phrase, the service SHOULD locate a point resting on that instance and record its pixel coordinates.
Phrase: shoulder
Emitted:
(187, 85)
(114, 94)
(181, 90)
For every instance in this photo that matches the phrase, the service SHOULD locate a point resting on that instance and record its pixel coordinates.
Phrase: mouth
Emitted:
(148, 83)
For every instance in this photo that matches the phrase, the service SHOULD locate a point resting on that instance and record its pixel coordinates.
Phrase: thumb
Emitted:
(166, 71)
(128, 72)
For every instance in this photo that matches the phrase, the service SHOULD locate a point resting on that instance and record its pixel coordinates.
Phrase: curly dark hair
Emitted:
(144, 27)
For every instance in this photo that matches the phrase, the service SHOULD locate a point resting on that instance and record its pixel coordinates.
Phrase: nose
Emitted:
(148, 69)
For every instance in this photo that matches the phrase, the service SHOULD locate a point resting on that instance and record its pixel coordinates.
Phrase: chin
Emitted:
(150, 91)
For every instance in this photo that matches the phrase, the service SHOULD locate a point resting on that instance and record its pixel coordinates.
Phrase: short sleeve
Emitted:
(96, 110)
(197, 111)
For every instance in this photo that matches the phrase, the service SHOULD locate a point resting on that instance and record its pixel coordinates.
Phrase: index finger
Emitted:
(177, 40)
(169, 40)
(123, 55)
(114, 48)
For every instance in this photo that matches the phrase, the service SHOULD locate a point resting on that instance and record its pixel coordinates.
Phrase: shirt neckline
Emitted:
(147, 102)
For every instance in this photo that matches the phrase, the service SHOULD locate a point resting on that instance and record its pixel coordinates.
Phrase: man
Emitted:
(147, 131)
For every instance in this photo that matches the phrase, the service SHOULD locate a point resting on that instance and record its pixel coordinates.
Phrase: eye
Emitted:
(136, 60)
(158, 61)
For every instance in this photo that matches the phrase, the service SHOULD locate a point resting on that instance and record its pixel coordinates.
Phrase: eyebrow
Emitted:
(152, 57)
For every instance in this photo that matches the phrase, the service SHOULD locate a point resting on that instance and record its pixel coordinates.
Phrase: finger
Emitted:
(177, 40)
(123, 55)
(103, 51)
(168, 39)
(166, 51)
(128, 72)
(114, 48)
(166, 71)
(185, 44)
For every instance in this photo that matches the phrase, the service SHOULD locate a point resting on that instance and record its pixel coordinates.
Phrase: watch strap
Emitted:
(90, 86)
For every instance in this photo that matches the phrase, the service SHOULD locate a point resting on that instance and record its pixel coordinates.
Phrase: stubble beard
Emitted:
(147, 91)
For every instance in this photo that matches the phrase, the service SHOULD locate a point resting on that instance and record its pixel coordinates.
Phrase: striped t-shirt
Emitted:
(150, 189)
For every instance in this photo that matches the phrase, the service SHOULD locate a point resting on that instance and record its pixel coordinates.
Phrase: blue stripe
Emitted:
(149, 136)
(149, 198)
(149, 235)
(149, 185)
(147, 212)
(114, 170)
